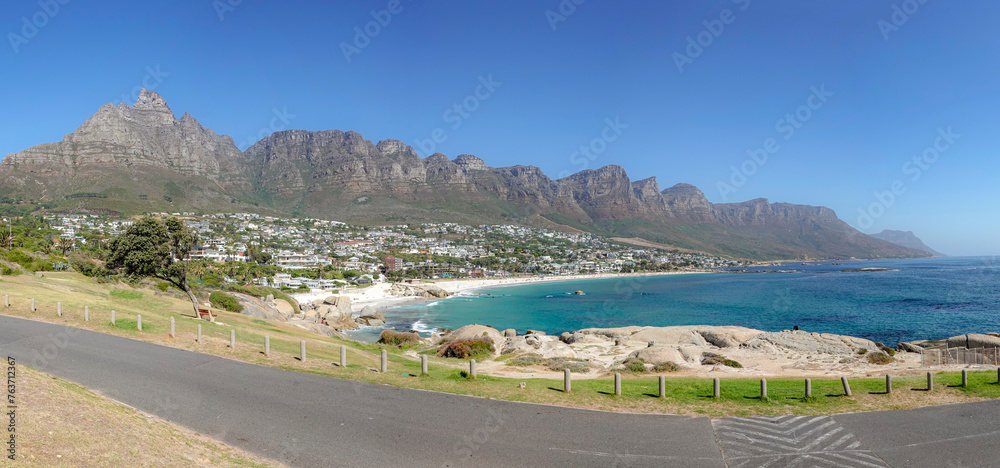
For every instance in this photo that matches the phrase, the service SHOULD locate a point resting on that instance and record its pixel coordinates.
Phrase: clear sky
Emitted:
(890, 86)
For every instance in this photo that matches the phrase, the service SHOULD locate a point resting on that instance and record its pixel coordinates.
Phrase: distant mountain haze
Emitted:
(135, 159)
(907, 239)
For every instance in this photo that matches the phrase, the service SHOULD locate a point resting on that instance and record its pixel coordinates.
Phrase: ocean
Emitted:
(916, 299)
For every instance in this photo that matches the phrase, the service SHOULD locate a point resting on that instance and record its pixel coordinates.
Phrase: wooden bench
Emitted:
(203, 312)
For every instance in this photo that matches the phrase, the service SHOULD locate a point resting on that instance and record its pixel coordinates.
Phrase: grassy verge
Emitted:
(63, 424)
(690, 396)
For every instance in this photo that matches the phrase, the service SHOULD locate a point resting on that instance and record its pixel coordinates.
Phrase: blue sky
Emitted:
(892, 86)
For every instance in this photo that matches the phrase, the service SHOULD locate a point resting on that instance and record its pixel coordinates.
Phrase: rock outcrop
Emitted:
(806, 342)
(371, 317)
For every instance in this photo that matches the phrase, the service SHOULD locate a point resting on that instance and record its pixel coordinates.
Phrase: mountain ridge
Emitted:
(141, 158)
(906, 239)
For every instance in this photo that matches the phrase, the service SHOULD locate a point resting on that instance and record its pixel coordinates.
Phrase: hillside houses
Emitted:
(418, 250)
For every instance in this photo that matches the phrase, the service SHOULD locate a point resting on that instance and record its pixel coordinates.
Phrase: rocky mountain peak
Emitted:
(390, 147)
(470, 162)
(687, 203)
(151, 100)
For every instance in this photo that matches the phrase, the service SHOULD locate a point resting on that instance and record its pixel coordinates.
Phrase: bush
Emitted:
(163, 286)
(668, 366)
(863, 351)
(555, 364)
(82, 264)
(885, 349)
(126, 294)
(880, 358)
(712, 359)
(397, 339)
(222, 300)
(465, 349)
(635, 365)
(6, 270)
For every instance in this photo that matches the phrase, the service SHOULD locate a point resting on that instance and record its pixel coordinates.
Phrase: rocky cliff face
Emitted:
(135, 138)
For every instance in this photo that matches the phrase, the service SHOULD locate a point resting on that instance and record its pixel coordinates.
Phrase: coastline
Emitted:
(380, 296)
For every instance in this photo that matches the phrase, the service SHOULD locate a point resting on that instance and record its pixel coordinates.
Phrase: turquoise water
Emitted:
(924, 299)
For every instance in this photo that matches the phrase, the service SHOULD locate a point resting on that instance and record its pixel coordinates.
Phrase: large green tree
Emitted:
(155, 248)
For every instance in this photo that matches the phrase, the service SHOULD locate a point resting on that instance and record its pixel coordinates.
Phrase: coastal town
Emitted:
(298, 247)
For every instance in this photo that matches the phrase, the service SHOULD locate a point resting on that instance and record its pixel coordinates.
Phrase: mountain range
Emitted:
(141, 158)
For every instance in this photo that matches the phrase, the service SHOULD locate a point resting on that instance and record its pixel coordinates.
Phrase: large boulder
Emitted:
(339, 302)
(974, 340)
(670, 335)
(342, 323)
(547, 346)
(720, 336)
(658, 354)
(519, 345)
(809, 343)
(477, 331)
(371, 316)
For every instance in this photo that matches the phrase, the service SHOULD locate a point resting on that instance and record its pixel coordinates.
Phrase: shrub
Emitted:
(635, 365)
(880, 358)
(397, 339)
(6, 270)
(668, 366)
(465, 349)
(555, 364)
(885, 349)
(163, 286)
(126, 294)
(82, 264)
(222, 300)
(578, 366)
(527, 360)
(863, 351)
(712, 359)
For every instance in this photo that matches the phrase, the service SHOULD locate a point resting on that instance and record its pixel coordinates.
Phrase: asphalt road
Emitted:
(308, 420)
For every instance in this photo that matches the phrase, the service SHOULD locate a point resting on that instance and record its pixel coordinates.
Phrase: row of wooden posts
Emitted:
(717, 393)
(567, 377)
(232, 338)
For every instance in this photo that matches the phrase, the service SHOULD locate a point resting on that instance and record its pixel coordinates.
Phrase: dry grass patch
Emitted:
(64, 424)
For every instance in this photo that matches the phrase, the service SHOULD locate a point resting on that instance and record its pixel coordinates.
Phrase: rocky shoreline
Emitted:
(704, 350)
(685, 350)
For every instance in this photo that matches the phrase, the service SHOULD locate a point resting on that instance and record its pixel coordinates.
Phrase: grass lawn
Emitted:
(685, 395)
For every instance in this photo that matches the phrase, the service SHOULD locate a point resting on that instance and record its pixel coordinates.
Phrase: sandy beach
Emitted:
(382, 297)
